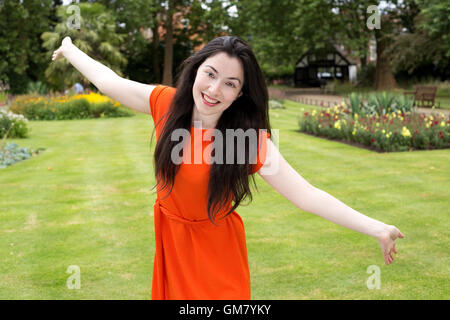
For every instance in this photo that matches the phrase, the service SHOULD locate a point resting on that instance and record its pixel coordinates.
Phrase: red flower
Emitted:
(306, 114)
(372, 140)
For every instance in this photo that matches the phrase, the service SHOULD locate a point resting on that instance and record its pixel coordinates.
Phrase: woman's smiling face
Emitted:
(218, 83)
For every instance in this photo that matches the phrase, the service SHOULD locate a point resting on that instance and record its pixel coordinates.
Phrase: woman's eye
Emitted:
(210, 75)
(231, 84)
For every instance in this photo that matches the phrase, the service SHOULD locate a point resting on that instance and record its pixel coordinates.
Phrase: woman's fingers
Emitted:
(388, 244)
(56, 54)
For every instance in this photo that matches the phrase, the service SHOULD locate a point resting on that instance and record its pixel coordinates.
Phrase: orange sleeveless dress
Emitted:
(194, 259)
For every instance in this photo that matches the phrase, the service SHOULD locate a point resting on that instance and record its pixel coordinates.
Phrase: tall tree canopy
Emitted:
(96, 37)
(21, 55)
(146, 40)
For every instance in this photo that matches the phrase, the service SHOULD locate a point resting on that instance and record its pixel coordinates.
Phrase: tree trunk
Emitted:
(155, 49)
(363, 60)
(384, 78)
(168, 46)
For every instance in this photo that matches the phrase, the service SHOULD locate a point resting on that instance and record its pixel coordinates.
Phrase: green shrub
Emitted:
(275, 104)
(37, 87)
(379, 103)
(14, 125)
(85, 106)
(73, 109)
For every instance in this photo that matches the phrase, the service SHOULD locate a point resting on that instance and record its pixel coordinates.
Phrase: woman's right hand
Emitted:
(59, 53)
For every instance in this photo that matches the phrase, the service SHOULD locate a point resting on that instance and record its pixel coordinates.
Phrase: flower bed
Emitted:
(396, 131)
(80, 106)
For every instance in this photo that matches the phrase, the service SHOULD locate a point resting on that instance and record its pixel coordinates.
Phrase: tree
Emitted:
(384, 77)
(96, 37)
(21, 56)
(279, 31)
(177, 27)
(436, 22)
(422, 48)
(135, 19)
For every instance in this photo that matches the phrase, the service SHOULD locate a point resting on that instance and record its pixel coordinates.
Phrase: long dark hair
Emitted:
(250, 111)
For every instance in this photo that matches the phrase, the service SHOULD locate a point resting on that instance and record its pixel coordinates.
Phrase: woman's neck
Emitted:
(205, 122)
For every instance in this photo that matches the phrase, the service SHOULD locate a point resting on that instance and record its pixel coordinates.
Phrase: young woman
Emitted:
(200, 240)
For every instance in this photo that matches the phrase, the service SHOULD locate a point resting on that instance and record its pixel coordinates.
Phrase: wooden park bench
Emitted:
(424, 96)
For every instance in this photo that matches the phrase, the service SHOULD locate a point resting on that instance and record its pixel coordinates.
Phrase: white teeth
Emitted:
(208, 100)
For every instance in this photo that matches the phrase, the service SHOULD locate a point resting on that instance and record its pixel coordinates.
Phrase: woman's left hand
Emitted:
(387, 243)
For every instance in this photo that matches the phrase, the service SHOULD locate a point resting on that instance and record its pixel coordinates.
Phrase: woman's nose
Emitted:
(214, 89)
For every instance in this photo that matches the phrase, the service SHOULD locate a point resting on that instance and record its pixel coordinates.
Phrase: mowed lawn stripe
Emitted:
(95, 210)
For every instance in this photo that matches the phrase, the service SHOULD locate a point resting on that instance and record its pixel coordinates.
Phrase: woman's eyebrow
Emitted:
(218, 72)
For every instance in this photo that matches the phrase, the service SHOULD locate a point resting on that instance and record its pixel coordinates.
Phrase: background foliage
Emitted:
(413, 36)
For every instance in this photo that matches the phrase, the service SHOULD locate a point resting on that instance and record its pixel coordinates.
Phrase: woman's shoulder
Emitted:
(160, 92)
(160, 99)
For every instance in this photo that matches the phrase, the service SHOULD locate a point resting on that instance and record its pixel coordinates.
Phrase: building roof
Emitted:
(328, 56)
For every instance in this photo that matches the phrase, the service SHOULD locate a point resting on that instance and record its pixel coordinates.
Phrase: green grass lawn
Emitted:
(94, 209)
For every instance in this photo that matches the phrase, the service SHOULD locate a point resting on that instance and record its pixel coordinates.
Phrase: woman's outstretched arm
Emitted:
(283, 178)
(130, 93)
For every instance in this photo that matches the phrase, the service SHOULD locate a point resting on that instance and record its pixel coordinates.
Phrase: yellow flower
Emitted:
(383, 131)
(442, 124)
(320, 126)
(314, 113)
(53, 109)
(102, 114)
(405, 132)
(92, 97)
(337, 125)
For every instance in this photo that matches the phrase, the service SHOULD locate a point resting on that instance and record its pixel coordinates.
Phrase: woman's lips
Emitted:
(209, 103)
